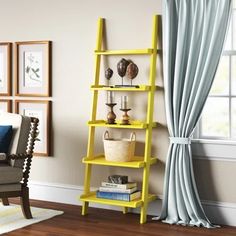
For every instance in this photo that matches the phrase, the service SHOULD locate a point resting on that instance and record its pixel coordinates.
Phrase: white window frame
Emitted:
(217, 148)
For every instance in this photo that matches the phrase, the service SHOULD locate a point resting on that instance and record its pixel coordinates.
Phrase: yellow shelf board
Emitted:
(134, 124)
(137, 161)
(146, 51)
(91, 197)
(141, 88)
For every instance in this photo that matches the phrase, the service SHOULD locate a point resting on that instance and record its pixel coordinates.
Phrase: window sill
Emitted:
(214, 141)
(218, 150)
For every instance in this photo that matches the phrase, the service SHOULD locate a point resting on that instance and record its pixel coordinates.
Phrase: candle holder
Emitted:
(125, 117)
(111, 116)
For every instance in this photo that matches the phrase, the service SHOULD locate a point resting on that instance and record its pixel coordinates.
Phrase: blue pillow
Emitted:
(5, 138)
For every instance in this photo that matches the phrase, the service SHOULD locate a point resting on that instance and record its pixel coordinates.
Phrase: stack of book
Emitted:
(117, 189)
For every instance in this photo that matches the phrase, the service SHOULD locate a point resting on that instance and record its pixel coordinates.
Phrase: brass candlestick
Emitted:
(111, 116)
(125, 117)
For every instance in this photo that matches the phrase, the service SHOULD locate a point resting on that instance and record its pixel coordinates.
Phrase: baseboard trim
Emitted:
(218, 212)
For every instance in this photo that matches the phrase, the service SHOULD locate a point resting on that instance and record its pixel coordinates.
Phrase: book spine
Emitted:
(117, 190)
(120, 186)
(114, 196)
(111, 185)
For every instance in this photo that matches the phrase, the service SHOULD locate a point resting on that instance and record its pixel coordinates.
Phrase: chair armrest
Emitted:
(20, 156)
(3, 157)
(27, 163)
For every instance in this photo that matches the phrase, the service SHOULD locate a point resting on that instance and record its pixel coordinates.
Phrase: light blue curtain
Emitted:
(193, 37)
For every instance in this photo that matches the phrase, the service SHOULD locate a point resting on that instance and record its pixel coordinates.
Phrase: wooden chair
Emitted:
(14, 173)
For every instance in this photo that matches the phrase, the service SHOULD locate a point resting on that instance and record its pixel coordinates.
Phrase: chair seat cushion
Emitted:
(5, 137)
(9, 174)
(10, 187)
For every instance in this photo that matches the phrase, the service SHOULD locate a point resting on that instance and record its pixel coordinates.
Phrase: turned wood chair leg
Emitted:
(5, 201)
(25, 205)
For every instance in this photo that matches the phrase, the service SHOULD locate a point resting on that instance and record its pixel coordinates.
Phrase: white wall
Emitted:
(71, 25)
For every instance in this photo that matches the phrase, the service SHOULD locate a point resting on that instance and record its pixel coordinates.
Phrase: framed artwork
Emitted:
(5, 105)
(42, 111)
(33, 68)
(5, 69)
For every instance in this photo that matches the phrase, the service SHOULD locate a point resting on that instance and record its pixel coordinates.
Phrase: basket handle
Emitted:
(106, 135)
(132, 136)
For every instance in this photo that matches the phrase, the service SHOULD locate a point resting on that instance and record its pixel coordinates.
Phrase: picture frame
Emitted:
(5, 105)
(33, 68)
(42, 110)
(5, 68)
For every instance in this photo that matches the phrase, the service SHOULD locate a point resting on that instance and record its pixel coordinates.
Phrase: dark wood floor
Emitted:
(106, 222)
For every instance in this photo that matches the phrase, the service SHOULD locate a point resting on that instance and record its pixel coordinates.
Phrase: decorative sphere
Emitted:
(122, 66)
(108, 73)
(132, 70)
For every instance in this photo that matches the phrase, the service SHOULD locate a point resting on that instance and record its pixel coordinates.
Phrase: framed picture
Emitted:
(42, 111)
(33, 68)
(5, 105)
(5, 69)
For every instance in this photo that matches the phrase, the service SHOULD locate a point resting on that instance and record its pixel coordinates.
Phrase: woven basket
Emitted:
(119, 150)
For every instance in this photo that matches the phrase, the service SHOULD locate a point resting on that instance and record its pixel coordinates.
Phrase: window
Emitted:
(219, 115)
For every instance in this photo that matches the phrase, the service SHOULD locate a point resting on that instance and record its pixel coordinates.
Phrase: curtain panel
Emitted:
(193, 37)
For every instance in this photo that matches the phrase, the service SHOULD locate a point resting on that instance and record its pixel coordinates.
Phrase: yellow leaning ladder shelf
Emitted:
(138, 162)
